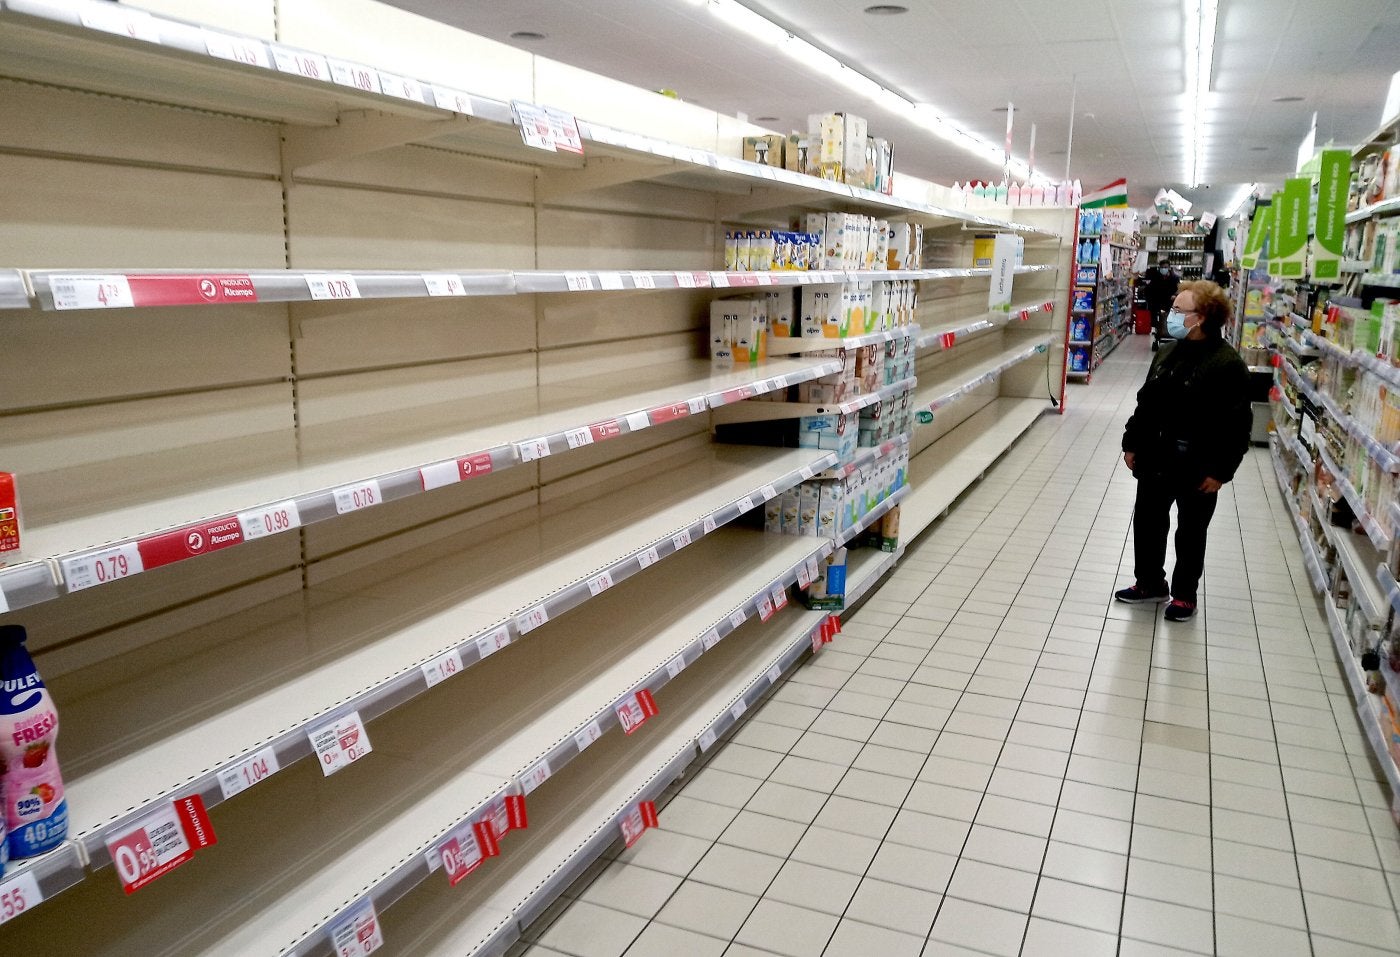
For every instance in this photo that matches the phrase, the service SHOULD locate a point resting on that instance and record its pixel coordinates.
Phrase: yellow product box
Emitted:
(982, 245)
(767, 150)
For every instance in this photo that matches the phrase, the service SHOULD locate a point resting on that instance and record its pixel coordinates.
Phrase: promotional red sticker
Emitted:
(515, 812)
(739, 394)
(161, 842)
(948, 338)
(603, 431)
(357, 933)
(633, 712)
(668, 413)
(637, 821)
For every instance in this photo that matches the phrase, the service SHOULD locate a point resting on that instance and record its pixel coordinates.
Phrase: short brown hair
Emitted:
(1212, 304)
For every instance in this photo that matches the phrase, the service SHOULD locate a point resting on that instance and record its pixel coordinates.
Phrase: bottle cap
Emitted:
(12, 634)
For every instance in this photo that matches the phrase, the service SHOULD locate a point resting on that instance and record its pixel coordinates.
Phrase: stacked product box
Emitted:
(845, 241)
(886, 419)
(824, 508)
(852, 241)
(738, 332)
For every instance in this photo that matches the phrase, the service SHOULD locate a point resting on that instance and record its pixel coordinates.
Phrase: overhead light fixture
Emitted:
(886, 10)
(528, 35)
(818, 61)
(1244, 194)
(765, 119)
(1288, 99)
(1202, 17)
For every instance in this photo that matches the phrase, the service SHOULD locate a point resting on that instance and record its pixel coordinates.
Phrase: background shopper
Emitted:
(1159, 289)
(1185, 440)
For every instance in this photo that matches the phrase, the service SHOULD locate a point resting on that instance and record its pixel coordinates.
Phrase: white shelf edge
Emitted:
(1013, 357)
(1375, 209)
(865, 454)
(792, 345)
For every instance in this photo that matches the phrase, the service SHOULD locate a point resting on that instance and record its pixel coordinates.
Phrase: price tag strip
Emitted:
(253, 769)
(160, 842)
(356, 933)
(17, 895)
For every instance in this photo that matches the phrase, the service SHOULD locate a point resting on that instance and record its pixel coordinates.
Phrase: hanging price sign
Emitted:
(948, 339)
(637, 821)
(633, 712)
(536, 128)
(160, 842)
(765, 607)
(357, 933)
(340, 743)
(251, 770)
(779, 595)
(564, 129)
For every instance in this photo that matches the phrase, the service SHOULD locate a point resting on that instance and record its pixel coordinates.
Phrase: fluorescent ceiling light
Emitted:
(1200, 24)
(1244, 194)
(925, 115)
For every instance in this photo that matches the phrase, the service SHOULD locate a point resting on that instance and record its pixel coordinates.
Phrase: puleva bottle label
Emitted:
(36, 813)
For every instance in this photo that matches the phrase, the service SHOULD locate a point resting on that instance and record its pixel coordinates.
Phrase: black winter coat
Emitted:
(1193, 417)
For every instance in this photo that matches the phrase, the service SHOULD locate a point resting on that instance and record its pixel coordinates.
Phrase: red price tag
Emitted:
(803, 577)
(637, 821)
(669, 413)
(602, 431)
(947, 339)
(739, 394)
(161, 842)
(458, 470)
(251, 770)
(17, 895)
(633, 712)
(340, 743)
(357, 933)
(190, 542)
(765, 607)
(779, 596)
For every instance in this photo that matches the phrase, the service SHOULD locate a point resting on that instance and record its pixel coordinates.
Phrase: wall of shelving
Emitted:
(493, 464)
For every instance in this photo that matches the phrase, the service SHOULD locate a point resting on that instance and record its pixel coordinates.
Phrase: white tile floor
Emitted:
(994, 758)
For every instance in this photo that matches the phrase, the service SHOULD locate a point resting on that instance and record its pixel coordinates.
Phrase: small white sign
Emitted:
(101, 567)
(648, 557)
(675, 666)
(442, 667)
(91, 292)
(599, 583)
(353, 498)
(578, 438)
(332, 286)
(270, 520)
(443, 284)
(402, 87)
(588, 735)
(532, 449)
(18, 894)
(340, 743)
(354, 74)
(454, 100)
(358, 933)
(643, 280)
(237, 49)
(578, 281)
(488, 645)
(536, 776)
(239, 777)
(680, 539)
(531, 620)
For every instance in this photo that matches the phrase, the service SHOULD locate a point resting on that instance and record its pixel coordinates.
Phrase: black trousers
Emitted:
(1151, 520)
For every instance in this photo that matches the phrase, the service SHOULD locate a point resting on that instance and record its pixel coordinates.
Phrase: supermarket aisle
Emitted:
(995, 758)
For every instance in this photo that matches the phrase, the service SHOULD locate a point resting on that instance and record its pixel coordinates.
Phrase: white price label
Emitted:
(578, 438)
(696, 406)
(675, 666)
(564, 128)
(686, 280)
(637, 421)
(340, 743)
(536, 776)
(765, 607)
(488, 645)
(443, 284)
(442, 667)
(588, 735)
(91, 292)
(745, 504)
(313, 66)
(402, 87)
(680, 540)
(738, 710)
(332, 286)
(719, 280)
(122, 21)
(773, 675)
(531, 620)
(241, 776)
(454, 100)
(352, 498)
(769, 492)
(738, 618)
(807, 472)
(578, 281)
(710, 639)
(804, 577)
(764, 279)
(707, 741)
(354, 74)
(17, 895)
(237, 49)
(710, 524)
(779, 596)
(532, 449)
(610, 280)
(358, 933)
(648, 557)
(813, 567)
(4, 602)
(643, 280)
(269, 520)
(99, 568)
(536, 130)
(599, 584)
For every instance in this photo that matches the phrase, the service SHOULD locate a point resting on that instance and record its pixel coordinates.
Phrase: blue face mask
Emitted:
(1176, 324)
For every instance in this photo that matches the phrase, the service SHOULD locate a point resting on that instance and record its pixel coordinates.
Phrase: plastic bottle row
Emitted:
(1018, 194)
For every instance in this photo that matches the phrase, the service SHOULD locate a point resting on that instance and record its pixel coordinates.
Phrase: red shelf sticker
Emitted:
(161, 842)
(947, 339)
(637, 821)
(634, 711)
(668, 413)
(739, 394)
(602, 431)
(189, 542)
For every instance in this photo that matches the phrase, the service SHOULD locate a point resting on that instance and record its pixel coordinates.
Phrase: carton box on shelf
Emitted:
(738, 332)
(773, 515)
(9, 521)
(982, 245)
(809, 504)
(782, 314)
(795, 152)
(791, 510)
(767, 150)
(828, 589)
(829, 509)
(834, 433)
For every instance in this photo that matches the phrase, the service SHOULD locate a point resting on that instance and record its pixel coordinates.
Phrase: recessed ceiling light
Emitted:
(765, 119)
(530, 35)
(886, 10)
(999, 109)
(1288, 99)
(1258, 149)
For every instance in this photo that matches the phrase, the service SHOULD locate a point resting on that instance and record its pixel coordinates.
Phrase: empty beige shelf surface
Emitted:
(298, 849)
(264, 677)
(943, 471)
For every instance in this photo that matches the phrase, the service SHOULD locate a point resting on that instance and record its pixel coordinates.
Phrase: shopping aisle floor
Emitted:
(994, 757)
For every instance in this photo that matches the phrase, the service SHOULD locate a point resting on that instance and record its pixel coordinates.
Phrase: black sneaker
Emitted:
(1180, 610)
(1137, 595)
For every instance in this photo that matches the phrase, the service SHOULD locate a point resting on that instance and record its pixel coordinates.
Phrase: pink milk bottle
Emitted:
(36, 814)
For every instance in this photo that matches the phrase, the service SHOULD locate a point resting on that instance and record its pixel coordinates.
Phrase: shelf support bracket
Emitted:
(600, 173)
(360, 132)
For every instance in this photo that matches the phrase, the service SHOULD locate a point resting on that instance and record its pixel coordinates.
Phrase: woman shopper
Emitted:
(1185, 440)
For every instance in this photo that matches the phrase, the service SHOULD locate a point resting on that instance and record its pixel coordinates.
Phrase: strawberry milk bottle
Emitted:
(36, 814)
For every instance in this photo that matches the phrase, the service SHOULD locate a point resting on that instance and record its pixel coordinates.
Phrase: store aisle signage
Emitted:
(1289, 257)
(160, 842)
(1259, 229)
(1333, 185)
